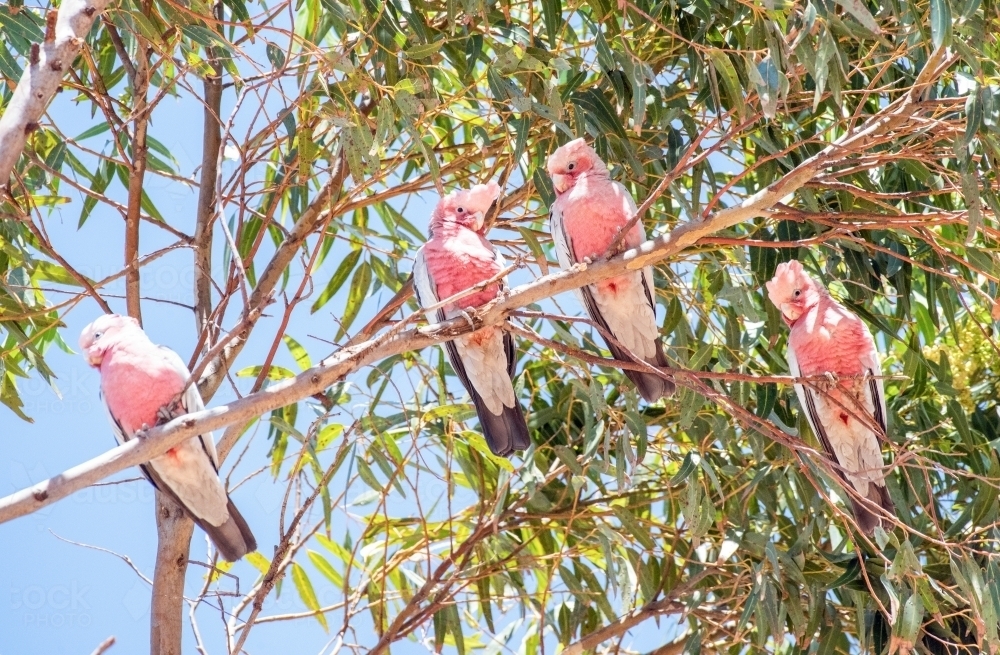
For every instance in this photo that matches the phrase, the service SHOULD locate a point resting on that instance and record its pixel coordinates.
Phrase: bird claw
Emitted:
(166, 414)
(831, 380)
(587, 260)
(467, 314)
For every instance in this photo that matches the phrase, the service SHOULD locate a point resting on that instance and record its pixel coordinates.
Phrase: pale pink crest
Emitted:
(793, 291)
(466, 207)
(570, 161)
(788, 278)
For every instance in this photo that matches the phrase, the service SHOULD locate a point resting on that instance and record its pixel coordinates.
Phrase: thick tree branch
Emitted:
(173, 527)
(211, 140)
(140, 113)
(173, 531)
(64, 37)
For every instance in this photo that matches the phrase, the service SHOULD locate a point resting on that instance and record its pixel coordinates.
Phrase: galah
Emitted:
(846, 410)
(589, 211)
(457, 258)
(143, 384)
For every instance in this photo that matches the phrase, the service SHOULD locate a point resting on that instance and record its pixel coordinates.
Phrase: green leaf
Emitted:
(973, 116)
(730, 80)
(596, 107)
(423, 50)
(323, 566)
(850, 574)
(9, 67)
(54, 273)
(940, 23)
(298, 353)
(338, 278)
(860, 12)
(356, 148)
(749, 606)
(911, 620)
(974, 203)
(306, 593)
(273, 373)
(631, 525)
(203, 36)
(100, 128)
(355, 298)
(553, 17)
(10, 397)
(259, 562)
(366, 474)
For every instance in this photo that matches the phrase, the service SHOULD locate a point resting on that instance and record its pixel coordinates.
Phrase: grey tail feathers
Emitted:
(505, 433)
(652, 387)
(233, 538)
(866, 518)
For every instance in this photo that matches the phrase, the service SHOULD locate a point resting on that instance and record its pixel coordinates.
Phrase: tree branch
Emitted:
(173, 531)
(140, 113)
(202, 244)
(666, 605)
(104, 646)
(64, 36)
(173, 527)
(623, 625)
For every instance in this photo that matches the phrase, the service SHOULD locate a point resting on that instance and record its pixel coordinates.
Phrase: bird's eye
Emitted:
(97, 335)
(798, 292)
(570, 166)
(460, 210)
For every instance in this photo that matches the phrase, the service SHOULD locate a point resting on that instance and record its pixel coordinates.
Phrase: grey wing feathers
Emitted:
(867, 519)
(507, 432)
(423, 285)
(651, 387)
(191, 401)
(233, 538)
(121, 438)
(877, 392)
(564, 255)
(508, 339)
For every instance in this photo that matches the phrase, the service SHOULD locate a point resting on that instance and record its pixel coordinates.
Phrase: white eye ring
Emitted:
(97, 335)
(571, 166)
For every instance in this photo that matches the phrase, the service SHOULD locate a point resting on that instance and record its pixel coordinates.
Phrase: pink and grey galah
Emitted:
(589, 211)
(847, 410)
(457, 258)
(143, 384)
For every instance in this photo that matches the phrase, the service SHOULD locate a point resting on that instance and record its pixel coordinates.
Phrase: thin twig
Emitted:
(104, 646)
